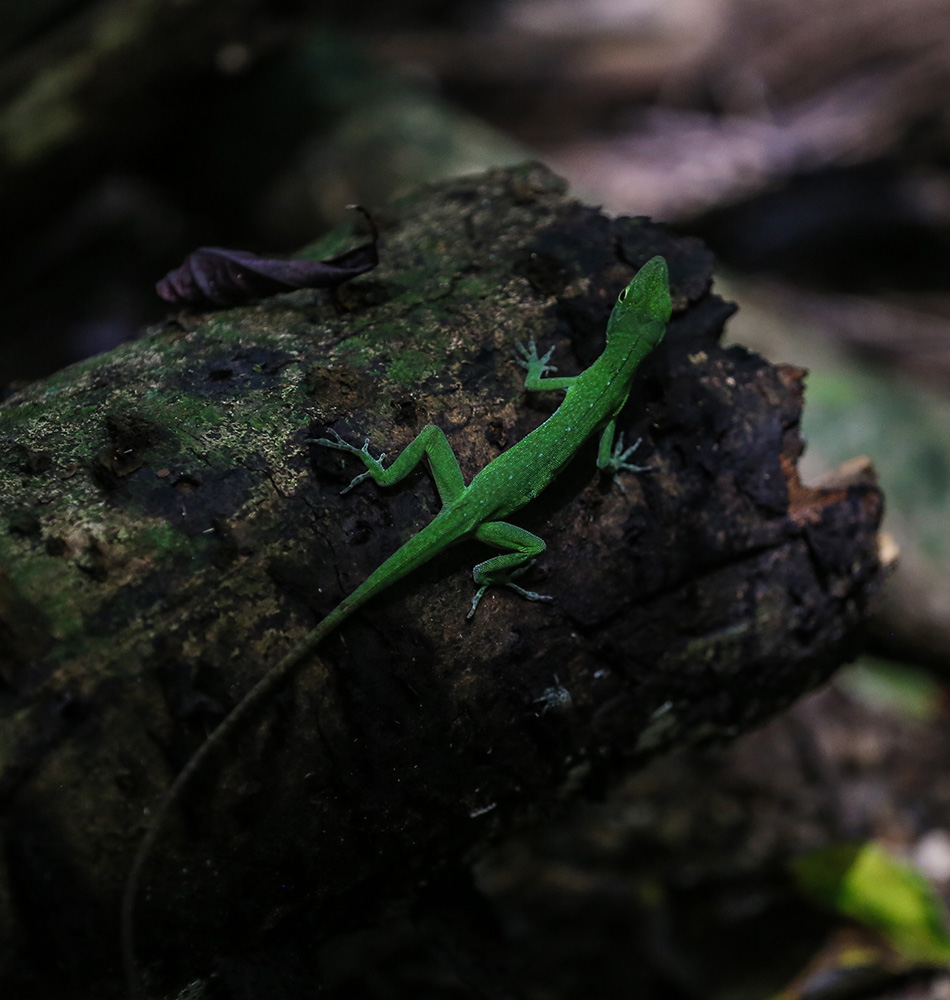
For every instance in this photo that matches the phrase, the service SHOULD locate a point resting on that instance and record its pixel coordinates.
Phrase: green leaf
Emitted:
(897, 688)
(864, 882)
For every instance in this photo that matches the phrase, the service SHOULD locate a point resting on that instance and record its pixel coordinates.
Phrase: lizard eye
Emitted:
(622, 295)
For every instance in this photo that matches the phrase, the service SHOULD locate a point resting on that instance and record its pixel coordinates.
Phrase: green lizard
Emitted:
(592, 402)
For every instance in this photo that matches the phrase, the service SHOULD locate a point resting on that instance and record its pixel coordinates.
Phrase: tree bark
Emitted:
(170, 531)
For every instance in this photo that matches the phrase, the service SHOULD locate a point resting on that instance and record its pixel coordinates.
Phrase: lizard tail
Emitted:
(242, 711)
(417, 550)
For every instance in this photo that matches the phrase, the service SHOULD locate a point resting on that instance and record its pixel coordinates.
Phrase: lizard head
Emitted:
(643, 307)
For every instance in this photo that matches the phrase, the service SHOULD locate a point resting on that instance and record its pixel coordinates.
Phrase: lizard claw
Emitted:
(529, 358)
(364, 454)
(619, 461)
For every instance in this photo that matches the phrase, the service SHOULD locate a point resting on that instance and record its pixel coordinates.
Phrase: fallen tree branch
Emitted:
(170, 531)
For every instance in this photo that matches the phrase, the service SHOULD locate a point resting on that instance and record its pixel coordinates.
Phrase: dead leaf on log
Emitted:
(218, 277)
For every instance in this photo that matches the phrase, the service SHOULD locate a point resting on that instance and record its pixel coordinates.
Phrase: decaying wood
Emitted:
(170, 530)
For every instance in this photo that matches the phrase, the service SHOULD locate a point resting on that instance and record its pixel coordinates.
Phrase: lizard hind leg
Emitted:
(501, 570)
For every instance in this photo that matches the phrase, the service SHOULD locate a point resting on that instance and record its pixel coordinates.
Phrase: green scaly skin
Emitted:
(592, 402)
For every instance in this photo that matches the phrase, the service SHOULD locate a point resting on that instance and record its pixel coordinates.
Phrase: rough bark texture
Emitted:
(168, 532)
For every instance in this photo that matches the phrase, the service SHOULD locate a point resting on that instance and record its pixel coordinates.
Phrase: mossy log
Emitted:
(169, 530)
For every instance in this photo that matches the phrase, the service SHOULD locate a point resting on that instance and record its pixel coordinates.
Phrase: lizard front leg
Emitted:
(430, 443)
(612, 457)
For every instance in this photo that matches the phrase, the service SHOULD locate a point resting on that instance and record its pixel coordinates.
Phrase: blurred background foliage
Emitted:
(807, 141)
